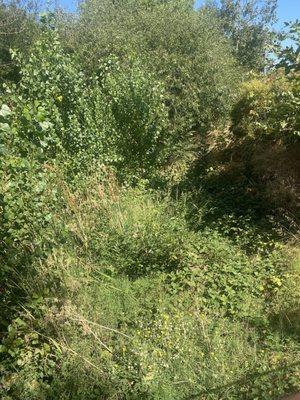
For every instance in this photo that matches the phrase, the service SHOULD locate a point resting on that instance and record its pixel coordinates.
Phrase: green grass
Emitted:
(133, 304)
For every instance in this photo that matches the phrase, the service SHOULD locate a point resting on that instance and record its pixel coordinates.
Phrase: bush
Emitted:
(268, 108)
(266, 124)
(136, 116)
(118, 116)
(52, 112)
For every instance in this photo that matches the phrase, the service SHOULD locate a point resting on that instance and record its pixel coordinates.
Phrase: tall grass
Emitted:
(131, 303)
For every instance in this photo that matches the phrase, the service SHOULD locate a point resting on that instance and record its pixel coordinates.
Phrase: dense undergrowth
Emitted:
(149, 241)
(132, 303)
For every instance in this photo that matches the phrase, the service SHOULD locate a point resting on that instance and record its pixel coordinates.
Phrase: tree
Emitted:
(184, 48)
(17, 29)
(248, 24)
(289, 56)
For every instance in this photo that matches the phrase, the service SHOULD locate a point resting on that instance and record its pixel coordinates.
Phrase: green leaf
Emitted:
(2, 348)
(45, 125)
(4, 127)
(5, 111)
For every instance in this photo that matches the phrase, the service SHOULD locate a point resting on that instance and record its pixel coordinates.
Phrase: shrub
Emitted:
(136, 115)
(29, 358)
(117, 117)
(52, 111)
(268, 108)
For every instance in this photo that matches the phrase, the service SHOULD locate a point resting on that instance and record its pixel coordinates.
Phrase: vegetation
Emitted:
(149, 203)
